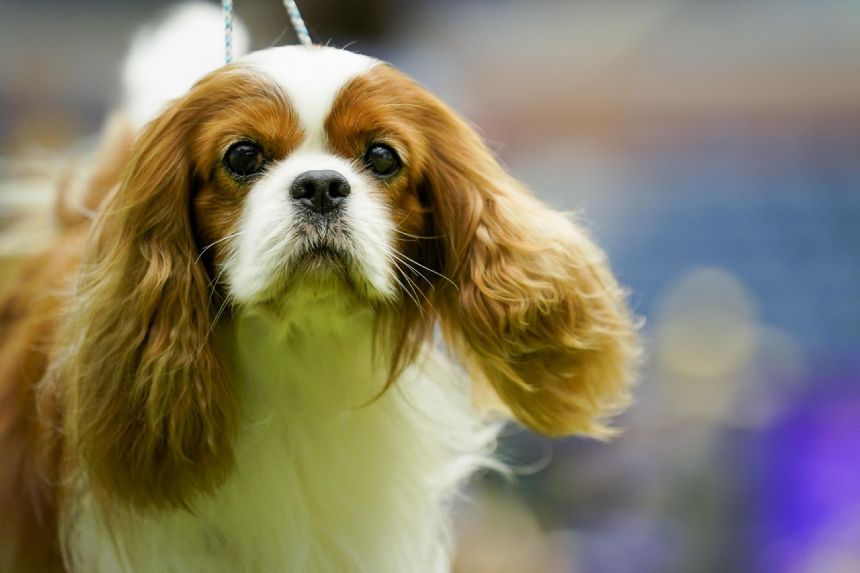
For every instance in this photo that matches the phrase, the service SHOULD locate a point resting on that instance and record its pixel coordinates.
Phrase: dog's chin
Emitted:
(319, 273)
(324, 265)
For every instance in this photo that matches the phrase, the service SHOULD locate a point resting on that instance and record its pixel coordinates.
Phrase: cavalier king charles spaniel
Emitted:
(270, 333)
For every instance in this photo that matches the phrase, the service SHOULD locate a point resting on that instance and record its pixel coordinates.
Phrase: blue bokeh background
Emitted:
(714, 150)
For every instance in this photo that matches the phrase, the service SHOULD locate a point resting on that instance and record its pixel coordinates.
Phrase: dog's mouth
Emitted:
(324, 242)
(323, 253)
(323, 259)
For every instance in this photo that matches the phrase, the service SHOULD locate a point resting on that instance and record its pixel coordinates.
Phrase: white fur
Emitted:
(327, 480)
(312, 77)
(165, 60)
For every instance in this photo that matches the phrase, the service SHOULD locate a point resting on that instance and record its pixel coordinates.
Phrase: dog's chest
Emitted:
(327, 478)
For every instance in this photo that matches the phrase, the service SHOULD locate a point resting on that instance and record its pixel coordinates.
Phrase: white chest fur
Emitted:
(327, 480)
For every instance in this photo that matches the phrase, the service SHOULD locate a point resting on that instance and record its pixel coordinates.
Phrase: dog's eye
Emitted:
(243, 158)
(382, 160)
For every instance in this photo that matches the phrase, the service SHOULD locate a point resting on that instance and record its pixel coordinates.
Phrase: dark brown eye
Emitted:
(243, 159)
(382, 160)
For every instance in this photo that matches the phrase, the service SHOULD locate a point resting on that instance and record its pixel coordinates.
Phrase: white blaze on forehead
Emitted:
(312, 77)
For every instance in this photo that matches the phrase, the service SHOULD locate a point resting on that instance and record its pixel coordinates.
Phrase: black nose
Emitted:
(320, 191)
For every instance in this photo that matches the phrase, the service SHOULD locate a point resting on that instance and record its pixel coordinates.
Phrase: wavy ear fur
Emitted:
(538, 311)
(148, 403)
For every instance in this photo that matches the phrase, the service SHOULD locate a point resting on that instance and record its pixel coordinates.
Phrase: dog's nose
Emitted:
(320, 191)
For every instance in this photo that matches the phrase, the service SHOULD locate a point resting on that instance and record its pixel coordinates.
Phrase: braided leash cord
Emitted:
(227, 6)
(295, 18)
(298, 23)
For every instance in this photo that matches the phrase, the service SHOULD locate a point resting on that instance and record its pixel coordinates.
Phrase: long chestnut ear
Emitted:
(148, 403)
(537, 310)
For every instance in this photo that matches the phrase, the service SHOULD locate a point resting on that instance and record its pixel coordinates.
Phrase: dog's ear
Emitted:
(149, 403)
(537, 310)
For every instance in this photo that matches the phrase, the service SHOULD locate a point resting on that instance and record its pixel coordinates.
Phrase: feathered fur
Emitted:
(189, 384)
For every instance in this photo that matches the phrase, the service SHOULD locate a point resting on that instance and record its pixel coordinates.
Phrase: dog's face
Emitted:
(307, 169)
(317, 164)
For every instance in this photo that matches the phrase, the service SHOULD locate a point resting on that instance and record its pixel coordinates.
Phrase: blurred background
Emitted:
(713, 147)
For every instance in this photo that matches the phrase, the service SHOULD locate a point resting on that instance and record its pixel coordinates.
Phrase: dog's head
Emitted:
(315, 164)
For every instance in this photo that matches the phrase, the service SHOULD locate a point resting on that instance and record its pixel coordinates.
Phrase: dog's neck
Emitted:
(310, 359)
(329, 476)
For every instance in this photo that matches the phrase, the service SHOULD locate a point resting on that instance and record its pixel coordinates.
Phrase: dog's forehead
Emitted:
(312, 77)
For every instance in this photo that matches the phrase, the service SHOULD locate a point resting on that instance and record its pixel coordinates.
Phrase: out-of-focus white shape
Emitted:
(167, 57)
(775, 375)
(708, 326)
(706, 335)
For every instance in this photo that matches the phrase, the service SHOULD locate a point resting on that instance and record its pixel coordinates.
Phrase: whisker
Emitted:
(414, 285)
(421, 292)
(400, 222)
(407, 291)
(217, 316)
(416, 271)
(214, 282)
(453, 284)
(415, 236)
(222, 239)
(213, 285)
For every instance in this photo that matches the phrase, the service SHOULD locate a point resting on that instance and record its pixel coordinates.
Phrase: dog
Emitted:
(272, 330)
